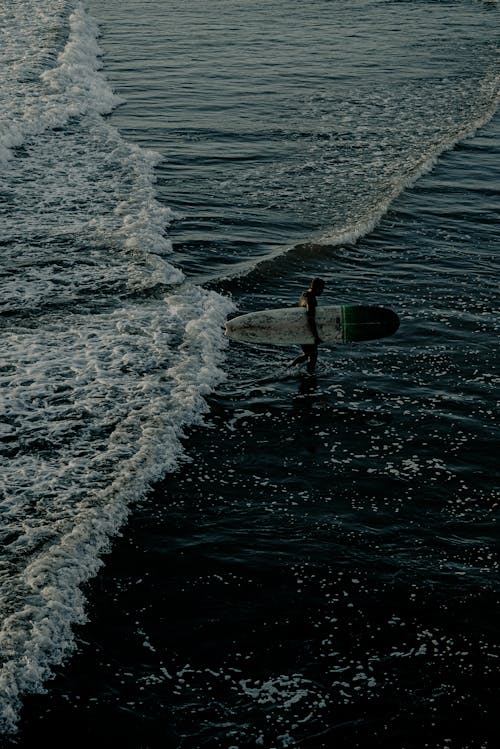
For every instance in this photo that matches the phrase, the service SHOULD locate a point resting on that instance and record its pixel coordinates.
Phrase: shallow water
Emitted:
(317, 561)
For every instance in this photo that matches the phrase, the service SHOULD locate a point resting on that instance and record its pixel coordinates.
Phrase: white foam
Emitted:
(11, 136)
(76, 75)
(82, 185)
(94, 404)
(36, 99)
(98, 407)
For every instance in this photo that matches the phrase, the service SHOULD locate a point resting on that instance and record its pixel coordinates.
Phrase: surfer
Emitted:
(309, 301)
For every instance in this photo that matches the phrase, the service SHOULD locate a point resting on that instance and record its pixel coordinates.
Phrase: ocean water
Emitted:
(199, 546)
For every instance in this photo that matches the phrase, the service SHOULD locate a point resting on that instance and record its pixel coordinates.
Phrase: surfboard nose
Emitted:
(229, 329)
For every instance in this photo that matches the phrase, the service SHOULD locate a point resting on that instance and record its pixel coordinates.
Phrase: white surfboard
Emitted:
(289, 325)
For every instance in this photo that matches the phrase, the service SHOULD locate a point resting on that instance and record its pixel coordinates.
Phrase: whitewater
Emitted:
(107, 350)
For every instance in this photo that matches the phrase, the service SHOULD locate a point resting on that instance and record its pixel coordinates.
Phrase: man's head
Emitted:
(317, 285)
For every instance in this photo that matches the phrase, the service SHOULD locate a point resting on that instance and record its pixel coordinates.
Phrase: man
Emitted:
(309, 301)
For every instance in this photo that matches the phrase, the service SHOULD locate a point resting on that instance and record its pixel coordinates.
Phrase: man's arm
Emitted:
(311, 319)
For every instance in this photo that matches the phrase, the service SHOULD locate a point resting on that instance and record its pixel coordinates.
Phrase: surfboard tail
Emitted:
(365, 323)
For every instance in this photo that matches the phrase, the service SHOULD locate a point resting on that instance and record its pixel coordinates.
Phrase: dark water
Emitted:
(321, 568)
(323, 571)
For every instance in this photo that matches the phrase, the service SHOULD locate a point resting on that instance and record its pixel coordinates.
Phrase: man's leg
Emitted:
(313, 358)
(299, 360)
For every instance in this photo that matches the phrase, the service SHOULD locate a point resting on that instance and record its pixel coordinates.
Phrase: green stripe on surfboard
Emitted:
(360, 322)
(351, 317)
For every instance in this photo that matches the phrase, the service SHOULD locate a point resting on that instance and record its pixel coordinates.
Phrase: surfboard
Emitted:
(288, 325)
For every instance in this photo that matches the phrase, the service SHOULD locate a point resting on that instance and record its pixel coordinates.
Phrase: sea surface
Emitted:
(200, 547)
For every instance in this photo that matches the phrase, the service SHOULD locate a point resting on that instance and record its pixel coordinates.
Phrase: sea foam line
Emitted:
(424, 165)
(98, 404)
(86, 483)
(352, 233)
(74, 87)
